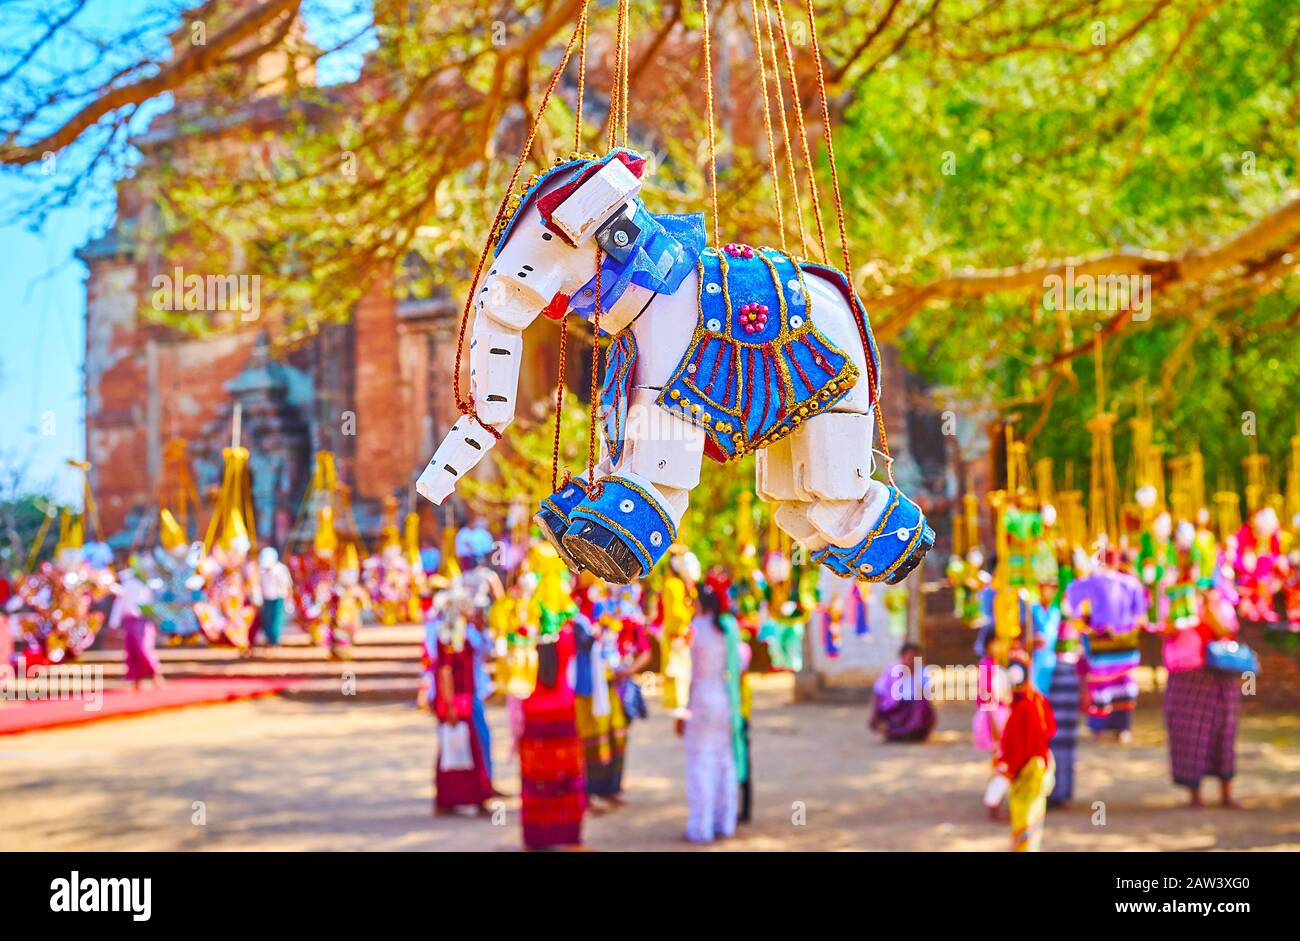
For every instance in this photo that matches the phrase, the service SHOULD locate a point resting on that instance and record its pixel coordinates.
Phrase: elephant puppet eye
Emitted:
(546, 236)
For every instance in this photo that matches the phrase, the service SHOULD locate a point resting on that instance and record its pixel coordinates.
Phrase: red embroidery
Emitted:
(799, 369)
(717, 364)
(767, 394)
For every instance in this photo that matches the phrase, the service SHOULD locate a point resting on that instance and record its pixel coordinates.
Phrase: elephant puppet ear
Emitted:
(575, 211)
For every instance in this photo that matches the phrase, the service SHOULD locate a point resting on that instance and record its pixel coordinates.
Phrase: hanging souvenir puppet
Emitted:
(1155, 566)
(58, 608)
(388, 580)
(748, 590)
(847, 611)
(314, 577)
(721, 350)
(226, 613)
(783, 629)
(181, 583)
(348, 600)
(1259, 565)
(676, 610)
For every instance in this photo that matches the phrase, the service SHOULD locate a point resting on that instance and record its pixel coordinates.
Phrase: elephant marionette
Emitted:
(717, 351)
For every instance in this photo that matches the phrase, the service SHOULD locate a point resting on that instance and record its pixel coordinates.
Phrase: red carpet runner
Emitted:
(17, 717)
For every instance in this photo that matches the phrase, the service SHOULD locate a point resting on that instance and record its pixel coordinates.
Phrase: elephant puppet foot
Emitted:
(552, 526)
(890, 552)
(923, 545)
(599, 549)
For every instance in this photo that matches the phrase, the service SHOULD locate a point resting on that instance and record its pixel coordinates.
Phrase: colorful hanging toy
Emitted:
(714, 351)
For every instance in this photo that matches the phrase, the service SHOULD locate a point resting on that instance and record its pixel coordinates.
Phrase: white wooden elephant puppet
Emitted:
(716, 351)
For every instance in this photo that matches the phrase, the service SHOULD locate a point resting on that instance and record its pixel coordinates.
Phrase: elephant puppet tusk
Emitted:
(558, 307)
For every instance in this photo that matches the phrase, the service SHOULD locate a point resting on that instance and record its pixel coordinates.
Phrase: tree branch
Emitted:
(195, 61)
(1165, 269)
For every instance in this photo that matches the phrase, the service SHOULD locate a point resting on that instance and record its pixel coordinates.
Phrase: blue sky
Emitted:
(42, 322)
(42, 343)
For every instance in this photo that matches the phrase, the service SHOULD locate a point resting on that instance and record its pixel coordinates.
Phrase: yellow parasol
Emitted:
(232, 518)
(170, 533)
(412, 538)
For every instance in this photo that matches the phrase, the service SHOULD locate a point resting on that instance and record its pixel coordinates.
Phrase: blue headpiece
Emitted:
(645, 249)
(657, 252)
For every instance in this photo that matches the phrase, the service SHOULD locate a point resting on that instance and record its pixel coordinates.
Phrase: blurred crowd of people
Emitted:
(1058, 631)
(571, 656)
(183, 593)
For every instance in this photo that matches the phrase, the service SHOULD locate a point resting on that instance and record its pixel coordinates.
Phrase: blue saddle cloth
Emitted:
(756, 366)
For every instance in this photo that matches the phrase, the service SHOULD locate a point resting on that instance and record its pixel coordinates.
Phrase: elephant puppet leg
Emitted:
(776, 483)
(624, 531)
(820, 477)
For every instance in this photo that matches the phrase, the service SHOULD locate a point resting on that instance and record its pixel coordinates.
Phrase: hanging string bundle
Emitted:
(864, 328)
(464, 403)
(617, 133)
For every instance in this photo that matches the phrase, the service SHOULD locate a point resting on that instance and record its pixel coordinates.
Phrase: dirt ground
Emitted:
(276, 774)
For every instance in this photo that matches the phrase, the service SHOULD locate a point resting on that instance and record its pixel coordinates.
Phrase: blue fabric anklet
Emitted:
(634, 516)
(562, 502)
(881, 551)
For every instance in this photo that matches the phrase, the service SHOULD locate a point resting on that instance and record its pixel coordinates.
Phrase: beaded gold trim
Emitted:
(648, 498)
(880, 528)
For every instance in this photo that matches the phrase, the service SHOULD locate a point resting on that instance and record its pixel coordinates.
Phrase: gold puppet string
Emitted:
(594, 487)
(785, 129)
(830, 147)
(616, 125)
(708, 100)
(625, 56)
(564, 320)
(800, 127)
(864, 328)
(618, 106)
(767, 125)
(463, 404)
(582, 78)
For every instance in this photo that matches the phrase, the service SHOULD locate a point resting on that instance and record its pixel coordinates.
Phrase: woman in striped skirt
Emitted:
(1064, 699)
(602, 723)
(1201, 708)
(550, 753)
(1201, 704)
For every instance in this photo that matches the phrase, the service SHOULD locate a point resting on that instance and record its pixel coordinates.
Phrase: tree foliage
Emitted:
(982, 147)
(1166, 126)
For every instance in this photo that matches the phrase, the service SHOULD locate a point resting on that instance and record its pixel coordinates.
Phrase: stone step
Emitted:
(296, 653)
(322, 689)
(375, 635)
(385, 664)
(253, 668)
